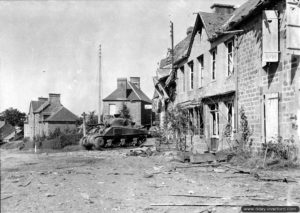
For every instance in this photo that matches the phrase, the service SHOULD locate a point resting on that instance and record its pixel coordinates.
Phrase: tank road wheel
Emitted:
(134, 141)
(109, 143)
(123, 142)
(99, 143)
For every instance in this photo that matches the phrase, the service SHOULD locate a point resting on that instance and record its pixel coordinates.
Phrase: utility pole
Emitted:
(172, 47)
(100, 86)
(83, 124)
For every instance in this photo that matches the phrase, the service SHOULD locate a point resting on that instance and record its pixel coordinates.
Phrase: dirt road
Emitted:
(110, 181)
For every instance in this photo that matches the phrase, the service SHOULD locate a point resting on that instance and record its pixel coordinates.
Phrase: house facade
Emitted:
(267, 60)
(130, 94)
(246, 57)
(204, 86)
(47, 114)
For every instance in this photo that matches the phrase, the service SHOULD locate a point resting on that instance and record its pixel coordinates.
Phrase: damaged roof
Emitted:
(180, 51)
(243, 12)
(213, 22)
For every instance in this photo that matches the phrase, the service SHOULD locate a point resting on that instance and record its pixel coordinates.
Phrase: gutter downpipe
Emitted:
(236, 84)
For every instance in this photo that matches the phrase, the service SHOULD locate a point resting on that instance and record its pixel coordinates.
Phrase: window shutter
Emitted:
(293, 26)
(271, 116)
(270, 36)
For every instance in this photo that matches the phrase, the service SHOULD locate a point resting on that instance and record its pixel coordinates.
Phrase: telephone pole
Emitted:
(172, 47)
(100, 86)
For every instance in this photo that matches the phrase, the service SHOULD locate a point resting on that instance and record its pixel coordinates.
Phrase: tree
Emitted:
(92, 118)
(176, 126)
(124, 112)
(14, 117)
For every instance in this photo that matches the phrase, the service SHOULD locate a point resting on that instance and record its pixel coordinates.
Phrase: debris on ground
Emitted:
(143, 151)
(6, 197)
(202, 158)
(86, 197)
(49, 195)
(26, 184)
(150, 142)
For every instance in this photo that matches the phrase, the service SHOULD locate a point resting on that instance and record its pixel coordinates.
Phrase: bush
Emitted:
(62, 141)
(278, 148)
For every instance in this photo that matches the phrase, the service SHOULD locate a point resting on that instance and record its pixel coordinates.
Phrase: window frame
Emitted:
(191, 74)
(109, 111)
(228, 67)
(200, 60)
(215, 120)
(213, 63)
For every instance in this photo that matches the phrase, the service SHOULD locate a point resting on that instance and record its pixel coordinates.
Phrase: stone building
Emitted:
(47, 114)
(246, 57)
(266, 60)
(206, 82)
(130, 94)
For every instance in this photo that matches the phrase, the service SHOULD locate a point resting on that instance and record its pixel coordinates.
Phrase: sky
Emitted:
(53, 46)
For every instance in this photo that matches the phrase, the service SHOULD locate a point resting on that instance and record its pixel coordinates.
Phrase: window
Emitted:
(201, 68)
(191, 66)
(183, 78)
(200, 120)
(213, 64)
(214, 111)
(292, 27)
(229, 58)
(230, 116)
(271, 116)
(112, 109)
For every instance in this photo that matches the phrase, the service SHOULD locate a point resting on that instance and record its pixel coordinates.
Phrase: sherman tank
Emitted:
(118, 132)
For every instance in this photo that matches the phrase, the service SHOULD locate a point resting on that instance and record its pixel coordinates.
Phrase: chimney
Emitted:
(224, 9)
(189, 30)
(122, 84)
(54, 98)
(43, 99)
(135, 81)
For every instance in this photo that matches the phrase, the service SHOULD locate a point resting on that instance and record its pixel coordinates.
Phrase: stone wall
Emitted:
(256, 81)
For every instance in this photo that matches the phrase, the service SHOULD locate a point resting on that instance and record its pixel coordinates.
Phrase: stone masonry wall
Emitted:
(254, 81)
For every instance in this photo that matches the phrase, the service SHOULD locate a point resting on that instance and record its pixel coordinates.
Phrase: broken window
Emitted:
(293, 26)
(270, 47)
(229, 58)
(213, 64)
(214, 111)
(201, 68)
(112, 109)
(191, 66)
(271, 116)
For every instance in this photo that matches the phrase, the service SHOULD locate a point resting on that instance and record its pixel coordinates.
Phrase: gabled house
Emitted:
(266, 60)
(206, 80)
(246, 57)
(130, 94)
(47, 114)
